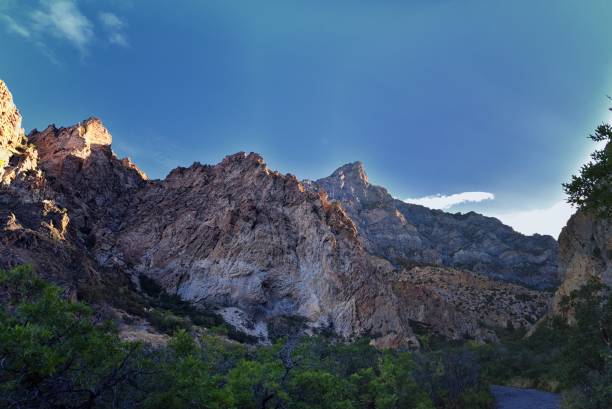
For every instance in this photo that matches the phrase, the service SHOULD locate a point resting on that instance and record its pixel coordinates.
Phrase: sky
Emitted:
(461, 105)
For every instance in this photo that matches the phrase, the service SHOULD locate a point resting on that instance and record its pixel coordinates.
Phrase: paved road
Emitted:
(515, 398)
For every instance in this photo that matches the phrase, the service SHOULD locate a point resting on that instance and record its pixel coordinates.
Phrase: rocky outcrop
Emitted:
(16, 155)
(86, 177)
(259, 244)
(62, 196)
(460, 305)
(585, 252)
(11, 133)
(409, 235)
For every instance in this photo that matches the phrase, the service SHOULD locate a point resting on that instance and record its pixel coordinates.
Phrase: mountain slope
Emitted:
(408, 234)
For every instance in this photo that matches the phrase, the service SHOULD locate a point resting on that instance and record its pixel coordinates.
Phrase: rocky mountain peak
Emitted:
(78, 139)
(94, 132)
(352, 174)
(350, 185)
(85, 144)
(243, 159)
(408, 234)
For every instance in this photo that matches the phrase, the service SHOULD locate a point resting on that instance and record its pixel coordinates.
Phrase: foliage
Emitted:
(52, 354)
(575, 359)
(184, 378)
(592, 188)
(587, 363)
(452, 379)
(55, 353)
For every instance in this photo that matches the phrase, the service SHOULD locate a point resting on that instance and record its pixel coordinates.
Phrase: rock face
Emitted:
(259, 244)
(16, 155)
(11, 134)
(63, 194)
(585, 247)
(86, 177)
(460, 305)
(408, 234)
(238, 234)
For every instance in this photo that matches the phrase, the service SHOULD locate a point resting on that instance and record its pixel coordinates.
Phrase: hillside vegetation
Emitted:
(57, 353)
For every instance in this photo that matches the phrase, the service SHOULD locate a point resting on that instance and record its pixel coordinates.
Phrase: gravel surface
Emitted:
(515, 398)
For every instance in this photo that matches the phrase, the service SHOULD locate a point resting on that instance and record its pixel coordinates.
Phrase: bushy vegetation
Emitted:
(52, 352)
(55, 353)
(573, 359)
(592, 188)
(168, 313)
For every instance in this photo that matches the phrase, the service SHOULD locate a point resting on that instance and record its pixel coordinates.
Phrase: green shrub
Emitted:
(52, 352)
(167, 322)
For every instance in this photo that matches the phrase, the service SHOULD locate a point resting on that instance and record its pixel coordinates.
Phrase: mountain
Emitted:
(408, 234)
(258, 245)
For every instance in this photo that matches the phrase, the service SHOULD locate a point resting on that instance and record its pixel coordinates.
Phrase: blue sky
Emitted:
(433, 96)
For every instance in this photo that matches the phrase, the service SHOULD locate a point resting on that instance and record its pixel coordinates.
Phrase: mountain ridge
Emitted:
(412, 234)
(237, 235)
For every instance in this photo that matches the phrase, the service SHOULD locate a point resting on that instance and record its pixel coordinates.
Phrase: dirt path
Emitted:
(515, 398)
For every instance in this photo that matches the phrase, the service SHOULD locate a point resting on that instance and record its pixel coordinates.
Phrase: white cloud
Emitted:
(114, 27)
(111, 21)
(64, 20)
(15, 27)
(548, 220)
(446, 202)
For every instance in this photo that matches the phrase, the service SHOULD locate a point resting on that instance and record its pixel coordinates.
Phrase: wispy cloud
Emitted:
(111, 21)
(14, 27)
(64, 20)
(445, 202)
(114, 27)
